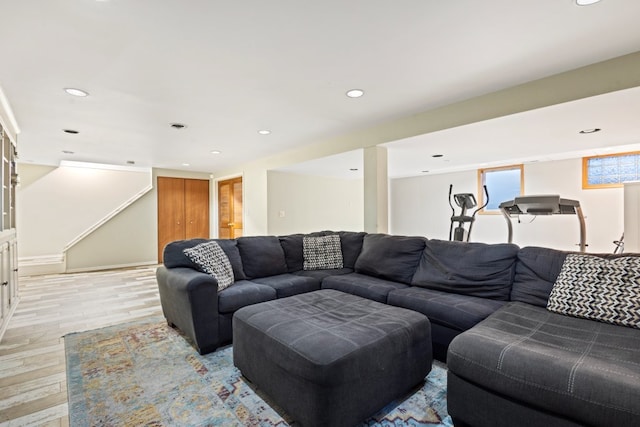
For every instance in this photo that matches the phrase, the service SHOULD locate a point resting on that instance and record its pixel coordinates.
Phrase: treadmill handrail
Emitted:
(511, 208)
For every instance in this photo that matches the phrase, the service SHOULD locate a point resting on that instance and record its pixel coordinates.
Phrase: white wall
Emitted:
(608, 76)
(66, 203)
(129, 238)
(419, 207)
(312, 203)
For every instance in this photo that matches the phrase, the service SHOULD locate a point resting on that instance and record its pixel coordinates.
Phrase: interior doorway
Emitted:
(230, 208)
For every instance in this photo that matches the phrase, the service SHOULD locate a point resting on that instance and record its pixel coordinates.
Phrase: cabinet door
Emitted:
(5, 297)
(196, 203)
(13, 271)
(170, 212)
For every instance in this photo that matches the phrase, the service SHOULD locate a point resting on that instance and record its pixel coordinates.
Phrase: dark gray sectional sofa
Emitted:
(511, 361)
(525, 365)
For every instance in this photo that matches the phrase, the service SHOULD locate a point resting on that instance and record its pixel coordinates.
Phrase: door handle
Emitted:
(230, 224)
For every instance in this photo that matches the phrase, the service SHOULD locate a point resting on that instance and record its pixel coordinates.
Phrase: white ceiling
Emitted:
(229, 69)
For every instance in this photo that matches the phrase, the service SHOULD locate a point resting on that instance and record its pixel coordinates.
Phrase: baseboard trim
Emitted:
(41, 265)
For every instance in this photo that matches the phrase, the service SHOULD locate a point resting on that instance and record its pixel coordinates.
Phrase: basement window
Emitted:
(610, 171)
(503, 184)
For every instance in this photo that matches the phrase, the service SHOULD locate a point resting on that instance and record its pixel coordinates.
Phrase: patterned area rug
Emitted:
(146, 373)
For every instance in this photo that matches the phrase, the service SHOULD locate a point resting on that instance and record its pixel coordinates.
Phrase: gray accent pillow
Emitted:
(211, 259)
(322, 253)
(591, 287)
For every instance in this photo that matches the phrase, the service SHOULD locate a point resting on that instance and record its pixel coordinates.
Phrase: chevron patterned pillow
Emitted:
(321, 253)
(211, 259)
(606, 290)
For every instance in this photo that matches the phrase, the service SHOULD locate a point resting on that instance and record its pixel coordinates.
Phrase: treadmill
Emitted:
(547, 204)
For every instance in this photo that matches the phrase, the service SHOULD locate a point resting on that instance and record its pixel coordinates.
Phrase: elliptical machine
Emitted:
(465, 201)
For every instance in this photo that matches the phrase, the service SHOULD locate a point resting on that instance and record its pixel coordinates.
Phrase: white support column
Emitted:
(376, 190)
(631, 216)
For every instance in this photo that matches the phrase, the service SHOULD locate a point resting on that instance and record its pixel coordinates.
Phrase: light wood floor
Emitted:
(33, 386)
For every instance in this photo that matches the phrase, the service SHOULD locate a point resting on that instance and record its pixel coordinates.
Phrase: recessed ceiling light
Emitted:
(425, 171)
(437, 155)
(593, 130)
(264, 132)
(76, 92)
(586, 2)
(178, 125)
(353, 169)
(71, 131)
(355, 93)
(131, 162)
(67, 152)
(186, 164)
(216, 152)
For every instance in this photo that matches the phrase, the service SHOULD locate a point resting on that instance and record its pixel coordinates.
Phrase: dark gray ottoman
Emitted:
(330, 358)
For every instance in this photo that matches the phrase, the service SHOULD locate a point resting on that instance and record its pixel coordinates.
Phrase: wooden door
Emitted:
(196, 205)
(230, 208)
(183, 210)
(170, 211)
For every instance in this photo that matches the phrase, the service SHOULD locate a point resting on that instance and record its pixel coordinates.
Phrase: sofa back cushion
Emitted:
(293, 253)
(262, 256)
(350, 243)
(536, 272)
(390, 257)
(173, 255)
(476, 269)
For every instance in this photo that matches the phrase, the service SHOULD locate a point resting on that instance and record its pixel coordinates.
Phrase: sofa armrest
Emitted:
(189, 300)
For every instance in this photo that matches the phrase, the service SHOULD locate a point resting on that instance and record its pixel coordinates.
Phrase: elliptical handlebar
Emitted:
(486, 193)
(453, 211)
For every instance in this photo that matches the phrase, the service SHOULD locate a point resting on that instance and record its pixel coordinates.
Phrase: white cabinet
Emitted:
(8, 277)
(8, 245)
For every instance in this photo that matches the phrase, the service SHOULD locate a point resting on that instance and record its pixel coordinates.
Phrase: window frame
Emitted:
(585, 170)
(481, 180)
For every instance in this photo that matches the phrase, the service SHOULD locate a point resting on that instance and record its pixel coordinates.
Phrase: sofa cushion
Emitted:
(351, 243)
(537, 270)
(390, 257)
(583, 370)
(288, 284)
(372, 288)
(262, 256)
(211, 259)
(476, 269)
(321, 274)
(322, 252)
(598, 289)
(459, 312)
(243, 293)
(293, 254)
(173, 255)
